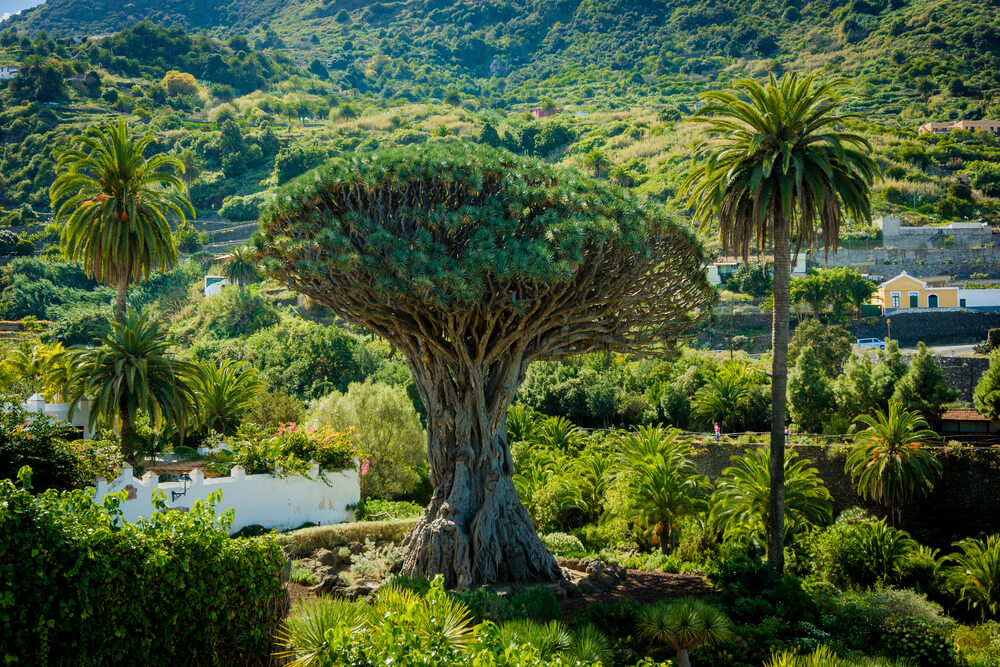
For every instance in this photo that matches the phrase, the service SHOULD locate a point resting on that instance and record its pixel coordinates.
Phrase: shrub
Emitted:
(291, 449)
(38, 441)
(389, 434)
(239, 207)
(919, 642)
(375, 509)
(377, 562)
(82, 588)
(858, 552)
(563, 544)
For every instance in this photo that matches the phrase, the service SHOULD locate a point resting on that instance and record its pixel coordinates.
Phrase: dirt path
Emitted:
(642, 587)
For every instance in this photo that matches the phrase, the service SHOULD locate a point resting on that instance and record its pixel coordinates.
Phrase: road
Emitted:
(944, 350)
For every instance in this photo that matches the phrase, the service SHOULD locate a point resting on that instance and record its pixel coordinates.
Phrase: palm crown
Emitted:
(116, 205)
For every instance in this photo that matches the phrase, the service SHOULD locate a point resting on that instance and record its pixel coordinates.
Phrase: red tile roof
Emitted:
(963, 415)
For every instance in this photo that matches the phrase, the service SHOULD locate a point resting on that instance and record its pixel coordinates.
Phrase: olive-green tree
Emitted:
(115, 206)
(810, 392)
(987, 393)
(774, 166)
(924, 386)
(474, 262)
(890, 462)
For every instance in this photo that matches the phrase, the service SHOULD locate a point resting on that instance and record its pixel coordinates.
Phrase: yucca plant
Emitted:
(549, 639)
(684, 625)
(977, 567)
(891, 462)
(589, 646)
(302, 636)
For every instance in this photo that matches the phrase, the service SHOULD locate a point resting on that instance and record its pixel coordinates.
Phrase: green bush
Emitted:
(563, 544)
(376, 509)
(921, 643)
(304, 541)
(858, 552)
(38, 441)
(79, 587)
(238, 207)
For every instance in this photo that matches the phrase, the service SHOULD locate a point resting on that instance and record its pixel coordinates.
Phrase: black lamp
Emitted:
(184, 479)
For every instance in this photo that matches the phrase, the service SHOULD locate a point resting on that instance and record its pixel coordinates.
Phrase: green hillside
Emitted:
(280, 87)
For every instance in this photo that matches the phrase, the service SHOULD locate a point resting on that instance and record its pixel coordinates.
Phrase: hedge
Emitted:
(80, 587)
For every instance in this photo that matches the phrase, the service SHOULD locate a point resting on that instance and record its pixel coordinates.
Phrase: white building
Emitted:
(7, 73)
(60, 411)
(719, 271)
(962, 234)
(214, 285)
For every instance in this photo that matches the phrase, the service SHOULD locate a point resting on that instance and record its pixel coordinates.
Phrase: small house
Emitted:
(910, 292)
(720, 271)
(966, 422)
(8, 73)
(542, 112)
(214, 285)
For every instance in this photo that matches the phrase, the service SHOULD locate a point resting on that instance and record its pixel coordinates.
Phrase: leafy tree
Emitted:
(684, 625)
(388, 431)
(241, 266)
(488, 135)
(987, 393)
(39, 80)
(811, 289)
(179, 83)
(776, 165)
(133, 369)
(225, 393)
(848, 286)
(890, 462)
(421, 246)
(752, 278)
(831, 345)
(810, 394)
(741, 503)
(924, 386)
(319, 69)
(115, 207)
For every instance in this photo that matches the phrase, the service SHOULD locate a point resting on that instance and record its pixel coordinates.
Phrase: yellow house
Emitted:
(906, 291)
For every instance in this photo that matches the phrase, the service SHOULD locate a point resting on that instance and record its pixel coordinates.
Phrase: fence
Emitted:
(266, 500)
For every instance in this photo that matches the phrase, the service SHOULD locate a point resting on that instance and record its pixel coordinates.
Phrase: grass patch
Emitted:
(304, 541)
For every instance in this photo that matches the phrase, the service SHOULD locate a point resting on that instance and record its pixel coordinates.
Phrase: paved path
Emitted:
(944, 350)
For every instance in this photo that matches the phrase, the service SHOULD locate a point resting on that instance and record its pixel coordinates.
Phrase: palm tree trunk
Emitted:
(779, 383)
(121, 301)
(127, 432)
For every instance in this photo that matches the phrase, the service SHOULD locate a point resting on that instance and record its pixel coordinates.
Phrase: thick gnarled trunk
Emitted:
(475, 531)
(779, 383)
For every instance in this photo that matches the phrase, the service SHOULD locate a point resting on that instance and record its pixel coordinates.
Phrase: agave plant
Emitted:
(684, 625)
(302, 635)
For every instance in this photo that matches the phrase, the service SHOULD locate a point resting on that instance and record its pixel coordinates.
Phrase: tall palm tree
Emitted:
(133, 369)
(775, 165)
(742, 502)
(890, 462)
(225, 392)
(241, 267)
(116, 206)
(597, 162)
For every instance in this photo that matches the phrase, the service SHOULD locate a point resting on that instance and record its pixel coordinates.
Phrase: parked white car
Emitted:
(871, 343)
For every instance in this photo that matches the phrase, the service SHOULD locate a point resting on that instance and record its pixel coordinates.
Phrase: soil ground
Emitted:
(641, 587)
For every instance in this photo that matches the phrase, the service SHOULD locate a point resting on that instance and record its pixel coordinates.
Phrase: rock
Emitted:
(592, 565)
(361, 589)
(587, 587)
(602, 579)
(328, 584)
(327, 557)
(572, 590)
(569, 574)
(557, 590)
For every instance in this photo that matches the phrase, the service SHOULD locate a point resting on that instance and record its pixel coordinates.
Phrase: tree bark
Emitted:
(476, 531)
(779, 384)
(121, 302)
(127, 431)
(683, 658)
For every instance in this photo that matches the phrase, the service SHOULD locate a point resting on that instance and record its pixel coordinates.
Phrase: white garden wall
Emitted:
(267, 500)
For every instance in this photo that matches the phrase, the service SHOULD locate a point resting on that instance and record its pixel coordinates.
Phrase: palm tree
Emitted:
(116, 206)
(225, 392)
(684, 625)
(979, 573)
(719, 399)
(241, 267)
(774, 166)
(597, 162)
(133, 370)
(741, 503)
(890, 462)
